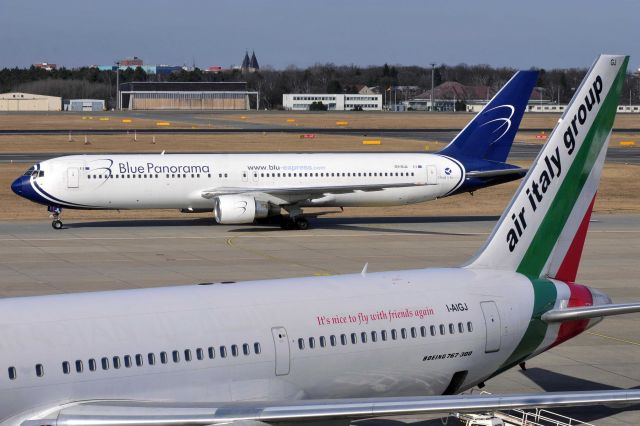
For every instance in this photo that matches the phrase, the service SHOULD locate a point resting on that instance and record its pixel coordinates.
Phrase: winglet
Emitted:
(364, 270)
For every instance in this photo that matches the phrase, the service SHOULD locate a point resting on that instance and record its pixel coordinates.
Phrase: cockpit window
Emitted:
(33, 172)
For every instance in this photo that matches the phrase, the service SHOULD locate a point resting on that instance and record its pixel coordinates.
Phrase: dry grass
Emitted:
(267, 142)
(381, 120)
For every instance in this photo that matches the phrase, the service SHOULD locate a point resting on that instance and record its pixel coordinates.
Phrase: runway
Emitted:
(109, 255)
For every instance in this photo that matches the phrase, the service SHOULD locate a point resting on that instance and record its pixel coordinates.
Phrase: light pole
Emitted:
(118, 85)
(433, 70)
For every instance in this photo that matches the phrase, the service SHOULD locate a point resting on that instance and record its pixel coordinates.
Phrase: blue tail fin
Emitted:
(490, 134)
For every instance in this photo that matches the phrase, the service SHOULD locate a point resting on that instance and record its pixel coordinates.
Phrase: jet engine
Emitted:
(234, 209)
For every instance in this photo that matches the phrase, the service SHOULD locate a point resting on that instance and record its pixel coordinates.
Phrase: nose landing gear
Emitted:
(56, 223)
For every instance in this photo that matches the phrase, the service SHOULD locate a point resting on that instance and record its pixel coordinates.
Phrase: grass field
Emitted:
(289, 119)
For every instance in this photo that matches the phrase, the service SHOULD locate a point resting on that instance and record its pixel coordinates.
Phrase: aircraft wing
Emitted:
(570, 314)
(304, 192)
(139, 413)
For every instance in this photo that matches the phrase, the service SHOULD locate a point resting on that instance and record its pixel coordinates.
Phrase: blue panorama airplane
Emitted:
(335, 348)
(240, 188)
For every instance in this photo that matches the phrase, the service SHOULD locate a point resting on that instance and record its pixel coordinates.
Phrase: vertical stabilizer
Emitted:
(490, 134)
(542, 231)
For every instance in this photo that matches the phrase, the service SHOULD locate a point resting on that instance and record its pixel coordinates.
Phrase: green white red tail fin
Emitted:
(543, 229)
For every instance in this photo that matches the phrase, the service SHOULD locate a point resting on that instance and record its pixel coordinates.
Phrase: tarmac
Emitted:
(106, 255)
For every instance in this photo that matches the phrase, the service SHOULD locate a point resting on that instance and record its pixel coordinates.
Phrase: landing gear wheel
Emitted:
(302, 223)
(56, 224)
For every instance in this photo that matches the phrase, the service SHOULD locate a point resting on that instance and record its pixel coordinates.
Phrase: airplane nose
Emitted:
(17, 186)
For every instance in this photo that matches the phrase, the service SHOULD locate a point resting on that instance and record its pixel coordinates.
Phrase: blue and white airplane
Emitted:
(303, 351)
(240, 188)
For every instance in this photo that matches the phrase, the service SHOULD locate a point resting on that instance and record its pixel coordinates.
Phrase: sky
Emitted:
(518, 34)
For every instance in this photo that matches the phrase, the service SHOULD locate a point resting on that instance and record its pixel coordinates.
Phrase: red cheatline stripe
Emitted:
(569, 268)
(580, 297)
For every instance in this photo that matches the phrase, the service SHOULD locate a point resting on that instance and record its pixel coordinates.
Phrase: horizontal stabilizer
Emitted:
(495, 173)
(571, 314)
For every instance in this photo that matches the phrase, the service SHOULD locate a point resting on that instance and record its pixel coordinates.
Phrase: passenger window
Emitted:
(363, 337)
(383, 334)
(127, 361)
(187, 355)
(78, 366)
(432, 330)
(12, 373)
(66, 367)
(164, 358)
(199, 354)
(460, 327)
(312, 342)
(245, 348)
(139, 360)
(93, 366)
(354, 338)
(442, 329)
(333, 340)
(374, 336)
(151, 358)
(301, 343)
(116, 362)
(423, 331)
(256, 348)
(323, 341)
(105, 363)
(414, 332)
(403, 333)
(469, 327)
(452, 328)
(394, 334)
(223, 352)
(343, 339)
(39, 370)
(212, 352)
(176, 356)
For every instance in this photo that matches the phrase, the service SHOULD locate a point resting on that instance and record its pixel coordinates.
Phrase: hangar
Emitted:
(187, 96)
(18, 101)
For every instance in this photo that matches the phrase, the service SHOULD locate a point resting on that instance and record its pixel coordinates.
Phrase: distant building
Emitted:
(250, 64)
(17, 101)
(149, 69)
(46, 66)
(186, 96)
(84, 105)
(334, 102)
(214, 69)
(132, 62)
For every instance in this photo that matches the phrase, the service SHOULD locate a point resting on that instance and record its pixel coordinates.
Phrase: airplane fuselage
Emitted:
(416, 332)
(150, 181)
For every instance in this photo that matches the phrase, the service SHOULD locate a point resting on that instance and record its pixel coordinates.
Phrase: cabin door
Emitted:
(281, 343)
(432, 175)
(73, 177)
(492, 326)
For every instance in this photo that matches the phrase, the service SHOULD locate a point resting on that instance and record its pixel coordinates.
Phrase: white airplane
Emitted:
(241, 188)
(332, 348)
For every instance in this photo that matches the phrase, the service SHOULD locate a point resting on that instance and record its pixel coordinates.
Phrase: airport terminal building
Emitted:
(187, 96)
(334, 102)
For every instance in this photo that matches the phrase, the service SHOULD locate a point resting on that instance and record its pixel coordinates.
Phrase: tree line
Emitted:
(557, 84)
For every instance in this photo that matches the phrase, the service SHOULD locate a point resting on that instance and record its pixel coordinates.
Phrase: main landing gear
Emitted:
(56, 223)
(295, 220)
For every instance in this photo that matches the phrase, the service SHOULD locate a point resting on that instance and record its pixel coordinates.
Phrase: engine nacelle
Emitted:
(235, 209)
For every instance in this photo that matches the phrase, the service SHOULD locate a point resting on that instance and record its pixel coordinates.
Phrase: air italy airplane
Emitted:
(333, 348)
(240, 188)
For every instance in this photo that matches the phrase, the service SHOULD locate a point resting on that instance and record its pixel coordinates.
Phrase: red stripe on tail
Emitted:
(569, 268)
